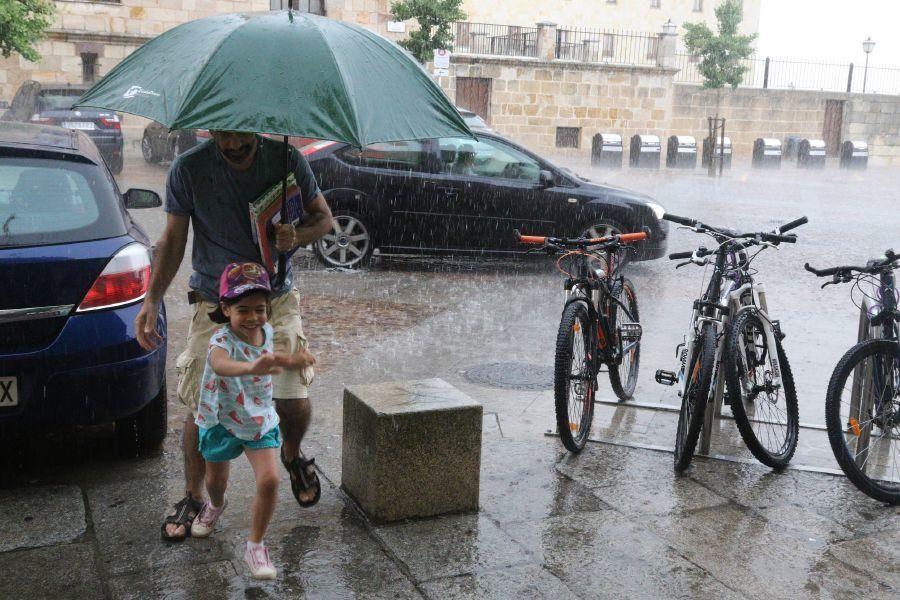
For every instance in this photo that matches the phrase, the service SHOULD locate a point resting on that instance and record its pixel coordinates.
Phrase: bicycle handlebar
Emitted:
(680, 255)
(793, 224)
(874, 266)
(680, 220)
(541, 239)
(771, 237)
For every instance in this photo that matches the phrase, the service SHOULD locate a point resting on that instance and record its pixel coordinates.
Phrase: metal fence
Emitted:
(607, 46)
(502, 40)
(789, 74)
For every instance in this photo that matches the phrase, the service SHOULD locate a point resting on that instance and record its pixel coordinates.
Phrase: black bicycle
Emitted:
(599, 326)
(862, 405)
(733, 311)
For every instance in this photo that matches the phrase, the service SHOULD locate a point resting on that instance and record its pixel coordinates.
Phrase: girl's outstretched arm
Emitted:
(225, 366)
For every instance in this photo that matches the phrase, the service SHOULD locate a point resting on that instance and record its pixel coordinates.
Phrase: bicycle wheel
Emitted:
(699, 374)
(574, 378)
(862, 414)
(623, 375)
(767, 417)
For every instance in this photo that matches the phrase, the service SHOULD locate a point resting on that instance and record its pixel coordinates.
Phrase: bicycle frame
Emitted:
(603, 291)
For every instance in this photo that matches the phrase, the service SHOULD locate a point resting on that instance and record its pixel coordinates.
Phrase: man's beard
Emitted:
(240, 155)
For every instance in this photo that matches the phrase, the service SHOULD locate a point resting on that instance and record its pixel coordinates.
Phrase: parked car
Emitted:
(159, 143)
(51, 104)
(475, 123)
(464, 196)
(75, 268)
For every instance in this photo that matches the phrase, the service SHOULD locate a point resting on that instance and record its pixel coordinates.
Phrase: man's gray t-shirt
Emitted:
(216, 198)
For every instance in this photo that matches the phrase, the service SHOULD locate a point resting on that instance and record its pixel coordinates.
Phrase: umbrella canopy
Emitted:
(283, 73)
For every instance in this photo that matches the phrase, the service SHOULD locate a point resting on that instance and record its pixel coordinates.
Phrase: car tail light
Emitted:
(36, 118)
(124, 280)
(316, 147)
(111, 122)
(202, 133)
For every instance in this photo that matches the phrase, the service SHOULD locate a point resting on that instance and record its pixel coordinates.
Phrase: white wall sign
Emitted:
(396, 26)
(441, 59)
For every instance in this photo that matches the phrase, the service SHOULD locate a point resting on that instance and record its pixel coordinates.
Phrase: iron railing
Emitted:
(607, 46)
(788, 74)
(502, 40)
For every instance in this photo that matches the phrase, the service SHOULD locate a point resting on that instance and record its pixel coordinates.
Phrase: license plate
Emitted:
(9, 392)
(82, 125)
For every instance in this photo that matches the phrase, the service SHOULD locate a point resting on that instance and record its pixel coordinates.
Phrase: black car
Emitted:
(51, 104)
(464, 196)
(159, 143)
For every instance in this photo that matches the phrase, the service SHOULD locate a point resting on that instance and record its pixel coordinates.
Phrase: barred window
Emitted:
(568, 137)
(654, 3)
(316, 7)
(698, 5)
(88, 67)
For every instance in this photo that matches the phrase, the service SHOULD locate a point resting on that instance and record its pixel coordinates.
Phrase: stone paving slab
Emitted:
(528, 582)
(40, 516)
(64, 571)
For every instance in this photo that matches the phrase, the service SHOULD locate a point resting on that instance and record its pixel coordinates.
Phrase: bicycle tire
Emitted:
(835, 419)
(574, 392)
(696, 394)
(624, 380)
(760, 430)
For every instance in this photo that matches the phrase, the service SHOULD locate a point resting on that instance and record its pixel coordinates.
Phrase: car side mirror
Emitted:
(547, 179)
(138, 198)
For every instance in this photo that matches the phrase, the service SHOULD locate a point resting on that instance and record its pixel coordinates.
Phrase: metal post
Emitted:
(722, 149)
(865, 72)
(850, 78)
(766, 75)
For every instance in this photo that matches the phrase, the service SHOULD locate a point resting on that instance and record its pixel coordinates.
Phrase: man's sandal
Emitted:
(184, 513)
(303, 478)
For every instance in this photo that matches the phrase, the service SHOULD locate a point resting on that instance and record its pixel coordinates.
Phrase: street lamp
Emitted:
(868, 45)
(669, 28)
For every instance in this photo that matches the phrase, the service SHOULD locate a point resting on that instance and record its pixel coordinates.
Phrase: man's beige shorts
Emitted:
(285, 320)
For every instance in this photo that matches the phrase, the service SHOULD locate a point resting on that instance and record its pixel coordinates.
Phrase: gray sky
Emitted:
(830, 30)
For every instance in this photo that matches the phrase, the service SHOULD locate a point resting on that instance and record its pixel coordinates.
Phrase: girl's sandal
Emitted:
(184, 513)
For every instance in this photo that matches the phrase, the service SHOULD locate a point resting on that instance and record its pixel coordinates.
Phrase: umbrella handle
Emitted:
(282, 270)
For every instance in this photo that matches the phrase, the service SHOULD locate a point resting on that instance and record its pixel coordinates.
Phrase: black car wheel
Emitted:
(348, 244)
(147, 149)
(606, 229)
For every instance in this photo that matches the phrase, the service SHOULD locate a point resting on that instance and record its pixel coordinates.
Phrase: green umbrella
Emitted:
(283, 73)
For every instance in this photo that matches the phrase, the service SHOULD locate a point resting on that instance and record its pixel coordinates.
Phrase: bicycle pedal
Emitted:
(630, 331)
(666, 377)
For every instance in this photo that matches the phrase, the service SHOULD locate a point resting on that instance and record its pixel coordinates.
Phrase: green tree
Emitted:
(435, 19)
(720, 55)
(22, 24)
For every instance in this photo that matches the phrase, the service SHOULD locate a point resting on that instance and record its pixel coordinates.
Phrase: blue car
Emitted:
(74, 269)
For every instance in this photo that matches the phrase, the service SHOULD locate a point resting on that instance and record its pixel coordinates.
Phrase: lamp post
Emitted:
(669, 28)
(868, 45)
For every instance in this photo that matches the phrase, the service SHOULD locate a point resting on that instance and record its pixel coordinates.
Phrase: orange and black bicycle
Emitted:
(599, 327)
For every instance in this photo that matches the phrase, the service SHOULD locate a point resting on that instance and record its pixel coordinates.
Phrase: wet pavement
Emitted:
(612, 522)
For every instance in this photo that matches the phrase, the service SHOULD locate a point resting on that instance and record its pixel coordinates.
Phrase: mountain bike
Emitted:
(732, 334)
(599, 326)
(862, 404)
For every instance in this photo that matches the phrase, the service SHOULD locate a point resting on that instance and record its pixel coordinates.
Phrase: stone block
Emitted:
(411, 449)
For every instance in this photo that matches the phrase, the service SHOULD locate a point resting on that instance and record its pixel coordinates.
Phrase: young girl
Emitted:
(236, 412)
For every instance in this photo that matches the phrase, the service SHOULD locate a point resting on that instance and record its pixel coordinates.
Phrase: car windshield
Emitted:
(49, 201)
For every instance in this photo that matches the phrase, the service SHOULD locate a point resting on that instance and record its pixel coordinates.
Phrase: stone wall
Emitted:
(531, 98)
(755, 113)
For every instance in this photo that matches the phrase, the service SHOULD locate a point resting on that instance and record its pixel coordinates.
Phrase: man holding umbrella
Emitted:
(210, 187)
(277, 73)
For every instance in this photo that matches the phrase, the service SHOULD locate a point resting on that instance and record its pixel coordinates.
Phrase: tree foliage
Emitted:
(22, 24)
(435, 18)
(720, 55)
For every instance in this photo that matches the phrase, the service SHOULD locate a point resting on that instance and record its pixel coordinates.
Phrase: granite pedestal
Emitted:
(411, 449)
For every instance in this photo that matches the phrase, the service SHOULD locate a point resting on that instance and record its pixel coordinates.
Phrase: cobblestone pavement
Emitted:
(612, 522)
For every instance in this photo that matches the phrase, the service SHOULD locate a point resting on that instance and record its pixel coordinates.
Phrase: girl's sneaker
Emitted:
(206, 521)
(257, 558)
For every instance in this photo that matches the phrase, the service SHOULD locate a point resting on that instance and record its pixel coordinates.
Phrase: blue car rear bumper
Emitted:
(94, 372)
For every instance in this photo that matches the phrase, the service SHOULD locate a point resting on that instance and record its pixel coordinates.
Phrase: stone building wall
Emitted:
(530, 99)
(875, 119)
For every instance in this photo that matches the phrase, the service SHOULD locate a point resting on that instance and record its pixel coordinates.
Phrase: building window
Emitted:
(316, 7)
(88, 67)
(568, 137)
(609, 45)
(654, 3)
(698, 5)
